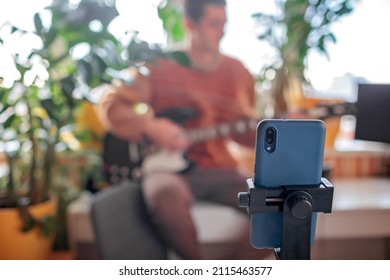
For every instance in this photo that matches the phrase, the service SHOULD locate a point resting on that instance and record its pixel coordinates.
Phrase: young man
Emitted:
(213, 89)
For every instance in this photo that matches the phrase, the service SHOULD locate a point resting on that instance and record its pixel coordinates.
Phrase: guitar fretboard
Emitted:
(197, 135)
(322, 112)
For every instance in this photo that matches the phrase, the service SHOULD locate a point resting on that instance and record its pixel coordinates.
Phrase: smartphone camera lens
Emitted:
(270, 139)
(270, 135)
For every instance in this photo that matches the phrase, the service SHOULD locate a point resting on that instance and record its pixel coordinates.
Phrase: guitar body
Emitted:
(126, 160)
(118, 162)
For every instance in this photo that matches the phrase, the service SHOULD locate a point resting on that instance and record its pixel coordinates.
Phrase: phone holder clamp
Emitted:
(297, 204)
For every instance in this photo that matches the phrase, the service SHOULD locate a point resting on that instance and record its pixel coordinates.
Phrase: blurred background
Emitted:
(54, 53)
(361, 51)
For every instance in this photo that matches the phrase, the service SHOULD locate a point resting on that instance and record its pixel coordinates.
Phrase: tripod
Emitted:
(297, 204)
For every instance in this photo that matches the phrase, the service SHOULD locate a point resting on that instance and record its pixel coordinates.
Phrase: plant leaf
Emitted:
(38, 24)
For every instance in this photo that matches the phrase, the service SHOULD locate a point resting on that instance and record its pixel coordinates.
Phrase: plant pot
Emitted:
(32, 245)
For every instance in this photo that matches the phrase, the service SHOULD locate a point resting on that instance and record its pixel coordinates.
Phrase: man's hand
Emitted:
(167, 135)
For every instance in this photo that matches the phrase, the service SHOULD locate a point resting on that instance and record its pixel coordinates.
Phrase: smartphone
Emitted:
(287, 153)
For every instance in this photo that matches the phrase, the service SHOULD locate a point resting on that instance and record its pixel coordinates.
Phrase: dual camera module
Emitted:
(270, 139)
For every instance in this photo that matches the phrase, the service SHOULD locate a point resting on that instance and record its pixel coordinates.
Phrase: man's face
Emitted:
(209, 30)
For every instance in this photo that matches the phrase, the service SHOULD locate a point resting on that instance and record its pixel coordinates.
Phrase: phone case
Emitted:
(294, 157)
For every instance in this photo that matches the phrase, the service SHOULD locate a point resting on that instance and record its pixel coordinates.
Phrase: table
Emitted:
(359, 225)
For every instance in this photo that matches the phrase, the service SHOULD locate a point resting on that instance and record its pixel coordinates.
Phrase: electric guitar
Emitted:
(125, 160)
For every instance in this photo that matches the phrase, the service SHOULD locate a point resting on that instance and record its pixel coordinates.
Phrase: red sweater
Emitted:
(224, 95)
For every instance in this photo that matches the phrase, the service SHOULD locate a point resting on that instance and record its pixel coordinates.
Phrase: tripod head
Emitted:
(297, 203)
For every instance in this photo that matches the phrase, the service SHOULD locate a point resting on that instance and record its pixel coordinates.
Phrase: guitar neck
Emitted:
(221, 130)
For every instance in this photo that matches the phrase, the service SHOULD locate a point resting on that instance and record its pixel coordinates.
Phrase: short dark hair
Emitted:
(194, 9)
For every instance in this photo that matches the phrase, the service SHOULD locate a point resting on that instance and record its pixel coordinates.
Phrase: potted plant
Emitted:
(39, 140)
(297, 27)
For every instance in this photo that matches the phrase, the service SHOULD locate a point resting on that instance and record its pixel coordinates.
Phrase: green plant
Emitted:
(40, 134)
(171, 16)
(297, 27)
(39, 103)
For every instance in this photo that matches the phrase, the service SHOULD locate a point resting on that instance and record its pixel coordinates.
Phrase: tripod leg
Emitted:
(297, 213)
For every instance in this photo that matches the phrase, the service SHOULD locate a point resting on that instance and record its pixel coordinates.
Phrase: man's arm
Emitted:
(125, 112)
(123, 109)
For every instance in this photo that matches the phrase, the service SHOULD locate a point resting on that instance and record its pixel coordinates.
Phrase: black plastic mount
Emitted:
(297, 204)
